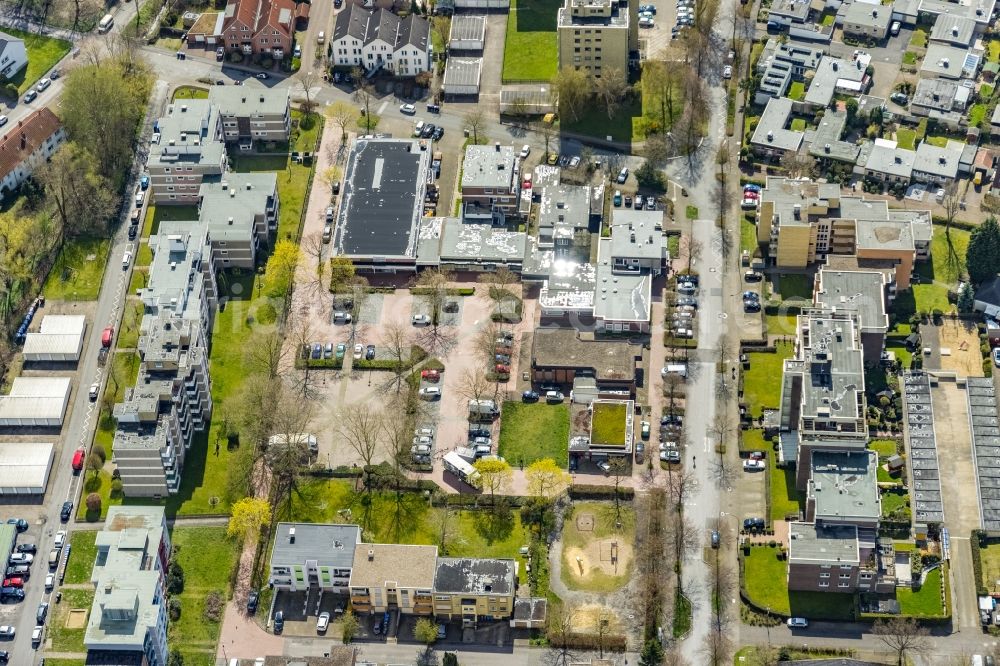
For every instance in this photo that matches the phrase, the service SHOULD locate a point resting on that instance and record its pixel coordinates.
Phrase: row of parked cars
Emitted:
(16, 575)
(649, 201)
(685, 307)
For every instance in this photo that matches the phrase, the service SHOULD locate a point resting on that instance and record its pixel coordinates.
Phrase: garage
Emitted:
(60, 338)
(24, 468)
(38, 402)
(532, 99)
(461, 77)
(482, 4)
(468, 33)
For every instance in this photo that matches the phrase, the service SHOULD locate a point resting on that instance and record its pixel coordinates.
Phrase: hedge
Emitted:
(463, 291)
(977, 561)
(611, 642)
(319, 363)
(588, 491)
(477, 501)
(341, 472)
(670, 341)
(377, 364)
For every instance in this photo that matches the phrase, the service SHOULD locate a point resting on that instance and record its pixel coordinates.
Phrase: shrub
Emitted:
(449, 659)
(98, 450)
(236, 57)
(266, 314)
(93, 503)
(214, 604)
(175, 578)
(116, 488)
(174, 609)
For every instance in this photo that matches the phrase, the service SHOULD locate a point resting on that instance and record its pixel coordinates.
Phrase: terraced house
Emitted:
(381, 40)
(259, 27)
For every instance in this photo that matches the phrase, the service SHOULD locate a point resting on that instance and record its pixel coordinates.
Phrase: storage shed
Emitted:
(482, 4)
(60, 338)
(24, 467)
(461, 77)
(468, 33)
(35, 402)
(533, 99)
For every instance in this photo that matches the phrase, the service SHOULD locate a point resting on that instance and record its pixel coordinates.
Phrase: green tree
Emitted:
(425, 630)
(494, 476)
(983, 254)
(546, 479)
(652, 653)
(175, 658)
(349, 626)
(280, 269)
(572, 88)
(341, 273)
(247, 518)
(83, 198)
(966, 298)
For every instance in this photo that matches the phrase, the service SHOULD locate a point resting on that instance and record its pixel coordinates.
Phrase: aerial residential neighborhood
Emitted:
(499, 332)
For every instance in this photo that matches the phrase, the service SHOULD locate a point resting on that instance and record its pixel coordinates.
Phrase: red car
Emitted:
(106, 336)
(503, 369)
(430, 375)
(13, 582)
(756, 455)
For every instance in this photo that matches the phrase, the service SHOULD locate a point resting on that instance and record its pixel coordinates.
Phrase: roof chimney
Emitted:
(24, 140)
(261, 99)
(497, 146)
(243, 100)
(371, 554)
(291, 535)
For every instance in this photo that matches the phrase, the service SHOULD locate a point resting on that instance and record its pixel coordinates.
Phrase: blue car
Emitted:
(750, 187)
(144, 182)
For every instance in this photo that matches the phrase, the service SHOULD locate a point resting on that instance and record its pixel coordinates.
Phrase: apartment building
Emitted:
(185, 151)
(239, 216)
(473, 589)
(128, 618)
(259, 27)
(393, 575)
(565, 211)
(867, 21)
(381, 40)
(308, 556)
(803, 222)
(597, 35)
(13, 55)
(248, 115)
(865, 293)
(26, 146)
(491, 183)
(780, 64)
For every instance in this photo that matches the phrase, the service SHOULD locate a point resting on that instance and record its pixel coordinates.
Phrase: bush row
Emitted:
(610, 642)
(423, 291)
(587, 491)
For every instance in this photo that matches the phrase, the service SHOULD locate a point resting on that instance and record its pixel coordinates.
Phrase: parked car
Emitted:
(323, 623)
(617, 199)
(30, 96)
(430, 393)
(252, 600)
(628, 201)
(751, 187)
(421, 320)
(797, 623)
(750, 465)
(424, 432)
(66, 512)
(525, 151)
(502, 369)
(670, 456)
(751, 306)
(748, 204)
(430, 375)
(341, 351)
(50, 581)
(11, 594)
(752, 524)
(554, 397)
(359, 351)
(996, 357)
(753, 276)
(622, 176)
(60, 538)
(369, 352)
(279, 622)
(408, 109)
(899, 98)
(716, 538)
(42, 612)
(438, 133)
(13, 582)
(687, 302)
(21, 558)
(651, 203)
(20, 523)
(26, 548)
(6, 632)
(36, 636)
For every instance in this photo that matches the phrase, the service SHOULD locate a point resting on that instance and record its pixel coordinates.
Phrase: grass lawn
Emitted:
(529, 432)
(827, 19)
(128, 333)
(753, 440)
(691, 212)
(83, 552)
(931, 297)
(748, 236)
(990, 555)
(293, 181)
(155, 215)
(780, 324)
(939, 141)
(761, 382)
(986, 91)
(603, 528)
(608, 424)
(798, 125)
(531, 50)
(906, 138)
(408, 519)
(883, 447)
(78, 271)
(65, 662)
(306, 132)
(797, 91)
(976, 114)
(898, 347)
(208, 559)
(190, 92)
(947, 256)
(926, 601)
(784, 499)
(919, 38)
(674, 245)
(626, 124)
(892, 502)
(909, 58)
(765, 579)
(43, 54)
(63, 638)
(144, 256)
(794, 286)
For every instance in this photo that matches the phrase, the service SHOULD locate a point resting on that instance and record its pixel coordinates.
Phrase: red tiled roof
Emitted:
(257, 14)
(25, 138)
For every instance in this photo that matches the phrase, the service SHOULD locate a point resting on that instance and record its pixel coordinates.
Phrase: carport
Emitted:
(35, 402)
(461, 77)
(24, 467)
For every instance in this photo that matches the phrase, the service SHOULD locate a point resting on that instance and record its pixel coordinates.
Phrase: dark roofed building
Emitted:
(381, 39)
(559, 355)
(471, 589)
(529, 612)
(382, 202)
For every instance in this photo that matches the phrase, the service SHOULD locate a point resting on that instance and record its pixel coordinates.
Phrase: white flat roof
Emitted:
(51, 343)
(35, 401)
(63, 324)
(24, 466)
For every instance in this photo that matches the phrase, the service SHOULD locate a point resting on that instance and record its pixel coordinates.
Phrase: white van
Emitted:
(321, 37)
(418, 128)
(674, 369)
(106, 23)
(894, 28)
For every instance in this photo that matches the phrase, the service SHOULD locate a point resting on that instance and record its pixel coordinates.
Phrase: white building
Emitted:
(60, 338)
(28, 145)
(13, 55)
(24, 467)
(380, 39)
(38, 402)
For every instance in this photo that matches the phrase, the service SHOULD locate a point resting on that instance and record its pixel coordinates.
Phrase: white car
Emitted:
(420, 449)
(421, 320)
(750, 465)
(525, 151)
(323, 622)
(43, 84)
(645, 22)
(797, 623)
(126, 260)
(359, 351)
(60, 538)
(749, 204)
(36, 634)
(421, 440)
(408, 109)
(424, 432)
(727, 72)
(21, 558)
(996, 357)
(430, 393)
(50, 581)
(94, 388)
(3, 120)
(6, 631)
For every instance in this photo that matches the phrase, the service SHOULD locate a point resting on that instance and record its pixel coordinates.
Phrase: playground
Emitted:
(597, 546)
(959, 346)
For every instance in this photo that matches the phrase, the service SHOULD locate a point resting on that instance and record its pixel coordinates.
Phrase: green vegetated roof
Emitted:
(608, 424)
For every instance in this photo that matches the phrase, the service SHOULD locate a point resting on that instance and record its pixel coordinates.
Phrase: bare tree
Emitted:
(952, 203)
(572, 88)
(680, 486)
(606, 625)
(290, 415)
(611, 88)
(344, 115)
(364, 95)
(560, 632)
(433, 284)
(362, 428)
(618, 470)
(308, 80)
(716, 649)
(446, 529)
(398, 342)
(474, 384)
(796, 165)
(313, 247)
(904, 636)
(475, 123)
(661, 83)
(499, 283)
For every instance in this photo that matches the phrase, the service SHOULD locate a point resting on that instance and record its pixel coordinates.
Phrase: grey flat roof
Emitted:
(563, 348)
(832, 72)
(945, 60)
(383, 198)
(796, 9)
(329, 545)
(862, 13)
(771, 132)
(862, 291)
(935, 94)
(617, 296)
(24, 466)
(468, 575)
(941, 162)
(634, 234)
(952, 29)
(564, 208)
(463, 72)
(844, 486)
(826, 139)
(244, 101)
(888, 158)
(980, 11)
(885, 234)
(832, 366)
(480, 242)
(465, 27)
(569, 284)
(489, 166)
(809, 544)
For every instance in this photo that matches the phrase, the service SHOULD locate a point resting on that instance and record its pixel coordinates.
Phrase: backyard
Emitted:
(43, 54)
(942, 272)
(784, 498)
(761, 382)
(293, 183)
(83, 552)
(208, 559)
(748, 236)
(531, 47)
(792, 286)
(990, 557)
(78, 271)
(766, 584)
(626, 124)
(68, 620)
(190, 92)
(529, 432)
(925, 602)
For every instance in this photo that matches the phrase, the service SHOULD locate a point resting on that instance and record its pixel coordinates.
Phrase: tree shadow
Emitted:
(494, 524)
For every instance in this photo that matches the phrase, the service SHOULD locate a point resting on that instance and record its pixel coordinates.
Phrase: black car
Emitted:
(19, 570)
(4, 656)
(338, 3)
(688, 301)
(529, 396)
(751, 524)
(14, 593)
(279, 622)
(252, 602)
(27, 548)
(478, 432)
(369, 352)
(20, 523)
(427, 131)
(66, 511)
(671, 419)
(438, 133)
(42, 612)
(133, 232)
(751, 306)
